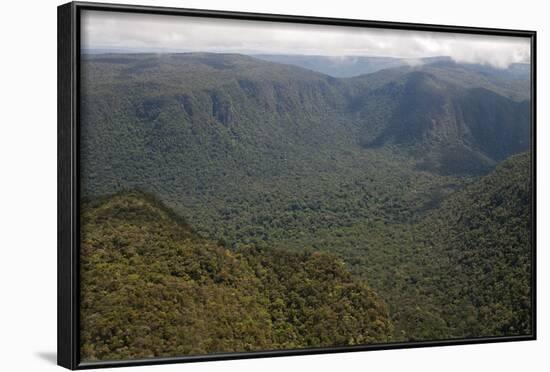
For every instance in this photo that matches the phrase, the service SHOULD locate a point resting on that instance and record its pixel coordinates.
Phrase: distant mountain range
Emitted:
(338, 66)
(452, 118)
(350, 66)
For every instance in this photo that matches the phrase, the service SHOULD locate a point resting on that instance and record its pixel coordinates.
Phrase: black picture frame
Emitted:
(69, 188)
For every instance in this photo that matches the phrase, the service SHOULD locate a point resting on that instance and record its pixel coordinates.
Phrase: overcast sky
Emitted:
(145, 32)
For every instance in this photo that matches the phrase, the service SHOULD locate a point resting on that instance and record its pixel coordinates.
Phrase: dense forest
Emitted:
(244, 204)
(151, 287)
(463, 270)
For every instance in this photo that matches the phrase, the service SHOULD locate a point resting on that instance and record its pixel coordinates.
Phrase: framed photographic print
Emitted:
(237, 185)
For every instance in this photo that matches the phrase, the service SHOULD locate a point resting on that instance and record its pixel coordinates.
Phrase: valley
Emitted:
(412, 182)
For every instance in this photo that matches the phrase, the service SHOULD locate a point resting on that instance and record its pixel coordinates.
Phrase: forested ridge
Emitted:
(412, 181)
(151, 288)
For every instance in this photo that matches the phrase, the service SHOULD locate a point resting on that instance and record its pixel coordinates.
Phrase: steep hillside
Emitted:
(456, 130)
(485, 233)
(236, 144)
(253, 151)
(451, 118)
(152, 288)
(464, 270)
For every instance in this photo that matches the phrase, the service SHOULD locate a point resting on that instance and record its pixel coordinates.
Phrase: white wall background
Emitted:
(28, 184)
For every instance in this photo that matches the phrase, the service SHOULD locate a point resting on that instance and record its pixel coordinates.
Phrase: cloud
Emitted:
(148, 32)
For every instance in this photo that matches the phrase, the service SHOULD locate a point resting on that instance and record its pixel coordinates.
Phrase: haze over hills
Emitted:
(351, 66)
(343, 66)
(338, 66)
(416, 176)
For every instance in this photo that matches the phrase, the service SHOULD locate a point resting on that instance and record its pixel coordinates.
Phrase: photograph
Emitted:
(249, 185)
